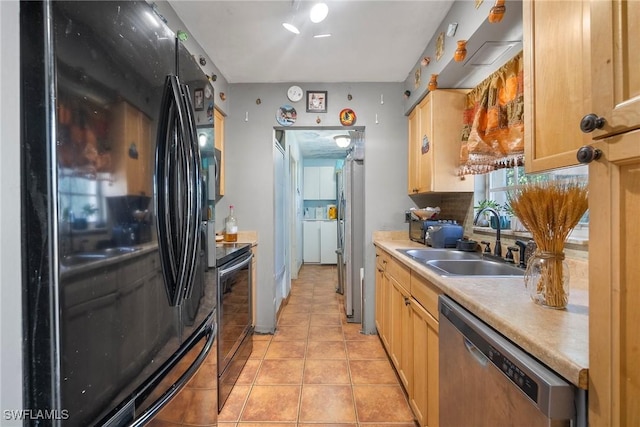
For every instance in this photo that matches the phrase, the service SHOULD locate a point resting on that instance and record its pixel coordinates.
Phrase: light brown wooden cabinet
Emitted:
(614, 203)
(381, 295)
(556, 45)
(132, 152)
(401, 342)
(218, 138)
(435, 126)
(406, 318)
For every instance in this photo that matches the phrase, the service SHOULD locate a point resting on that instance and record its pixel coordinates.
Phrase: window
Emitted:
(495, 185)
(80, 198)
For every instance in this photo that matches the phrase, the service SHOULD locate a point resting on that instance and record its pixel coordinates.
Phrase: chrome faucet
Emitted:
(497, 250)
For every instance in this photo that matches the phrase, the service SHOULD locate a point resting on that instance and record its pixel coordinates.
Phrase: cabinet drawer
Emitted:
(425, 293)
(400, 272)
(381, 259)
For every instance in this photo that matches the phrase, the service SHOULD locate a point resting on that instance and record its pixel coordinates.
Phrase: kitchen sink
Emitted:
(447, 262)
(86, 257)
(476, 267)
(438, 254)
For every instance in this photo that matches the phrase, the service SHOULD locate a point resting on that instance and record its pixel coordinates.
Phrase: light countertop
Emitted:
(558, 338)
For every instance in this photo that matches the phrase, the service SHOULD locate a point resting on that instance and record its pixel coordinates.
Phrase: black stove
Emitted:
(226, 252)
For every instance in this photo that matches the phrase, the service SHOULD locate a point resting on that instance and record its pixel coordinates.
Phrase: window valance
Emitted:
(492, 133)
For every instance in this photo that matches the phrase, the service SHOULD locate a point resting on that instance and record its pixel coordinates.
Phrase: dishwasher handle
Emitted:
(475, 352)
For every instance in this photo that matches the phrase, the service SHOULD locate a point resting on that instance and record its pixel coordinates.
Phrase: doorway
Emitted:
(316, 233)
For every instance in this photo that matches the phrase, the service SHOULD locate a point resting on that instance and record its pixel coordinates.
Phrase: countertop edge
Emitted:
(569, 360)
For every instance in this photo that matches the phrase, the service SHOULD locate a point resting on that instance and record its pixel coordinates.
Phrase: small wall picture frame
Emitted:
(198, 99)
(316, 101)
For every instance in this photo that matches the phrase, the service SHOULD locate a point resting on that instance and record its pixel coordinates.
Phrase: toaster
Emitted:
(443, 235)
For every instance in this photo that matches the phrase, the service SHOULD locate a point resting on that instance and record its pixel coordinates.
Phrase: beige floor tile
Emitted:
(325, 333)
(272, 403)
(327, 404)
(286, 350)
(326, 372)
(291, 333)
(248, 374)
(372, 372)
(235, 403)
(365, 350)
(328, 319)
(326, 350)
(280, 371)
(381, 404)
(259, 349)
(353, 332)
(293, 318)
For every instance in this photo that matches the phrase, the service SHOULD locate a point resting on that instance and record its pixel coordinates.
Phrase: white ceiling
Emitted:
(372, 40)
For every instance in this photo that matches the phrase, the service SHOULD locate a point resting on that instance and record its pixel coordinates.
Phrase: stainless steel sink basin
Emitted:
(438, 254)
(86, 257)
(477, 267)
(447, 262)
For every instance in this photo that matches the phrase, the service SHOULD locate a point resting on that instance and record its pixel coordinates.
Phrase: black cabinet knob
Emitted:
(587, 154)
(591, 122)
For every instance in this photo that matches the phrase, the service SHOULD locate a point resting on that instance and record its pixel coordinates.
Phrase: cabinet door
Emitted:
(614, 202)
(311, 183)
(556, 44)
(424, 394)
(426, 147)
(328, 242)
(311, 241)
(414, 151)
(327, 183)
(615, 58)
(380, 278)
(434, 143)
(401, 339)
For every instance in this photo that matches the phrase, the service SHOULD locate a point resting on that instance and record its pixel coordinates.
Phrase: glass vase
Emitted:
(547, 279)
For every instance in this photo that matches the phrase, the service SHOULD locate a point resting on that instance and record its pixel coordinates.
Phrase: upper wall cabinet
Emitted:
(615, 65)
(319, 183)
(435, 126)
(556, 81)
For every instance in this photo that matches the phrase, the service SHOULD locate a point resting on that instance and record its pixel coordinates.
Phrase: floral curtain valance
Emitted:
(492, 133)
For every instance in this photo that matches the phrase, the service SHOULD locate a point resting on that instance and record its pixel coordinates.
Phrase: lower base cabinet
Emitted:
(407, 321)
(424, 394)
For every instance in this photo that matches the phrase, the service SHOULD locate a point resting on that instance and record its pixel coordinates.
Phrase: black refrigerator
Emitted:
(119, 302)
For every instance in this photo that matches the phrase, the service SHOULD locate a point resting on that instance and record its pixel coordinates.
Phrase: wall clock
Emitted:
(294, 93)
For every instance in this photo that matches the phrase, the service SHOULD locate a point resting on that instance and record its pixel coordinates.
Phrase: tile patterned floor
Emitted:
(316, 370)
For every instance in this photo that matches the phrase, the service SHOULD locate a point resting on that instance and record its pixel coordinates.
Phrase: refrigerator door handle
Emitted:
(193, 208)
(170, 165)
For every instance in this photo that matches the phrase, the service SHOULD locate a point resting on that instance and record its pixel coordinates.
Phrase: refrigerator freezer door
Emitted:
(354, 237)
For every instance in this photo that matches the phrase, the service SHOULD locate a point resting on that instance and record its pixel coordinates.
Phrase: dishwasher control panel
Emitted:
(513, 372)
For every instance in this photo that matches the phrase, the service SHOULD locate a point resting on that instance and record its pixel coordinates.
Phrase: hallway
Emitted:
(317, 369)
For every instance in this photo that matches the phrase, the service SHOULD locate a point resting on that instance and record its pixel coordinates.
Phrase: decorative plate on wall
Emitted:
(286, 115)
(347, 117)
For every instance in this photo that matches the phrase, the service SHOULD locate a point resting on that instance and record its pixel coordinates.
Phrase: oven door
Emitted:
(234, 307)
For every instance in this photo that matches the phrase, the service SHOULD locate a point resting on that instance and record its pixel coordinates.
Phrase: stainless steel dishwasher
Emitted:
(486, 380)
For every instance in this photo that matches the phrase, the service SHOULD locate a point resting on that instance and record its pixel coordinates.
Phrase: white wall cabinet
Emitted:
(320, 241)
(319, 183)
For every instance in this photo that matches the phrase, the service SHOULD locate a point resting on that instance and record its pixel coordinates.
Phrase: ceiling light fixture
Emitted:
(319, 11)
(321, 36)
(342, 141)
(290, 27)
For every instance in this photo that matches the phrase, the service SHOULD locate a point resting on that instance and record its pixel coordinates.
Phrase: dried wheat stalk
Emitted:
(550, 210)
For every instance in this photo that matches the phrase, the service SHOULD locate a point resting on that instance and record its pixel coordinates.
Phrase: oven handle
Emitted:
(237, 266)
